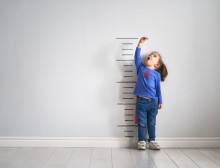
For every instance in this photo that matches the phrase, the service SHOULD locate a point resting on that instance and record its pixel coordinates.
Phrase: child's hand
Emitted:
(143, 39)
(159, 106)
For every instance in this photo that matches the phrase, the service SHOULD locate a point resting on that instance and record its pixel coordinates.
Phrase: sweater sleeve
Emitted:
(137, 57)
(158, 89)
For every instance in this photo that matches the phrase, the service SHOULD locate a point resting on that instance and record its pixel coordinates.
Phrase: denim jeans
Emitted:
(146, 112)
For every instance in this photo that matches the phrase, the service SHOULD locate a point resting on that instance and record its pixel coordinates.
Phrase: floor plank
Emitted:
(161, 159)
(199, 158)
(121, 158)
(6, 152)
(59, 158)
(212, 154)
(36, 157)
(101, 157)
(180, 159)
(15, 158)
(142, 159)
(80, 158)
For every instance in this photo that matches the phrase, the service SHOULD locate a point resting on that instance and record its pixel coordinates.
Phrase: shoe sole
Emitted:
(153, 149)
(141, 147)
(148, 147)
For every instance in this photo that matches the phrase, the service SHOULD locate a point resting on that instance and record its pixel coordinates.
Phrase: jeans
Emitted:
(146, 112)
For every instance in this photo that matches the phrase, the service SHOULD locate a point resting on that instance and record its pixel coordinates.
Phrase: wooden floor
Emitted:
(108, 158)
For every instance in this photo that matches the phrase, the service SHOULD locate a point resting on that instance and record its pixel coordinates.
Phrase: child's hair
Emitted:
(162, 68)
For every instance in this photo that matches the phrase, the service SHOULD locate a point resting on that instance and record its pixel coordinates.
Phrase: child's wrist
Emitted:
(139, 45)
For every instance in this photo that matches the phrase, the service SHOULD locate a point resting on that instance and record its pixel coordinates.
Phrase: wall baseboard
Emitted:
(174, 142)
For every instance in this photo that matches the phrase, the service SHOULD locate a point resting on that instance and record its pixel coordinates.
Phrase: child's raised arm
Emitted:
(137, 56)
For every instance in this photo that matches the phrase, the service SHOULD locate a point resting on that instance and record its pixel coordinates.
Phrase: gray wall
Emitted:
(58, 68)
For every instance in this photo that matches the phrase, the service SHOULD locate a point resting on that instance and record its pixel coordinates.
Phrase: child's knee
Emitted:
(142, 123)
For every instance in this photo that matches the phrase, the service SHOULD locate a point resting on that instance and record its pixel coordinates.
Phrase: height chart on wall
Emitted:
(126, 82)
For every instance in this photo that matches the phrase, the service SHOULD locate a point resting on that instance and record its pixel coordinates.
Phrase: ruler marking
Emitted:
(128, 65)
(126, 82)
(129, 114)
(127, 43)
(124, 60)
(126, 54)
(126, 38)
(126, 103)
(127, 125)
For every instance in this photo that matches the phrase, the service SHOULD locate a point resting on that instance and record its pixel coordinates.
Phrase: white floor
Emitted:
(108, 158)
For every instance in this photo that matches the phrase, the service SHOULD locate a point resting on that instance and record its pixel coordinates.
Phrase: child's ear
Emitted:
(156, 66)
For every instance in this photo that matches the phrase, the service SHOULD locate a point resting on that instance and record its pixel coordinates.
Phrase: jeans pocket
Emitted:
(141, 100)
(155, 101)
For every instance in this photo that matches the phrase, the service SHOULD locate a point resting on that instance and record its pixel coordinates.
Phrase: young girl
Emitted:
(149, 99)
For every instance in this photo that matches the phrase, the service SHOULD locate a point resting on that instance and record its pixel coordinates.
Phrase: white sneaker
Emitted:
(153, 145)
(142, 145)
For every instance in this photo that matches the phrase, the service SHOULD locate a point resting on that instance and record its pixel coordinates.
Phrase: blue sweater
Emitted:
(148, 80)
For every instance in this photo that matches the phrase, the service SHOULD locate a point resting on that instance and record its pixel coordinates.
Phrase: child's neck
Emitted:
(151, 67)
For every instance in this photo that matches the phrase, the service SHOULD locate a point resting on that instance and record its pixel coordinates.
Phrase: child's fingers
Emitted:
(159, 106)
(143, 39)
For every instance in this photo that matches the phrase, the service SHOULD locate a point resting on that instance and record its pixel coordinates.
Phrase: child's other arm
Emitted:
(158, 89)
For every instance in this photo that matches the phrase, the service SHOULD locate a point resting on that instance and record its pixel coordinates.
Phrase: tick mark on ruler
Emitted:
(127, 125)
(123, 60)
(129, 114)
(127, 43)
(127, 76)
(126, 103)
(126, 82)
(126, 54)
(126, 38)
(128, 65)
(127, 93)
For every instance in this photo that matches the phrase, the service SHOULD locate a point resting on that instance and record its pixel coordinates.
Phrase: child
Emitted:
(149, 99)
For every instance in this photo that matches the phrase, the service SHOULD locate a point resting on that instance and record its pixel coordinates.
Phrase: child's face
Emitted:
(152, 60)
